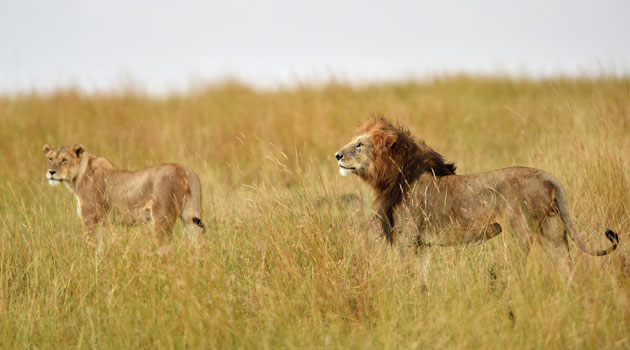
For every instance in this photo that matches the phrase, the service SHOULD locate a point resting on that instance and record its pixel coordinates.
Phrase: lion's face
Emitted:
(355, 157)
(63, 163)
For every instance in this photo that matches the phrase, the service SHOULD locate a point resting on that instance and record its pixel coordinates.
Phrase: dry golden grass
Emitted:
(290, 259)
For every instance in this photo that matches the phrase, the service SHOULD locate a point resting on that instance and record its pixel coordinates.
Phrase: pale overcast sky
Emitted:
(169, 45)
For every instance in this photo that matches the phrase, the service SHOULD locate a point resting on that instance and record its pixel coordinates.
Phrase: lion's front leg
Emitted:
(423, 251)
(385, 216)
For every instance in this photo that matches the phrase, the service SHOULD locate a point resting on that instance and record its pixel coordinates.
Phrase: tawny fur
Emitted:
(157, 195)
(412, 181)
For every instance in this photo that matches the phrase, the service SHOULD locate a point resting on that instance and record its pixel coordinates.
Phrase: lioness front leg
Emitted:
(90, 218)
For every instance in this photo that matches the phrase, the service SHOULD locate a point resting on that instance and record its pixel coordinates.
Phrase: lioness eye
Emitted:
(50, 159)
(63, 160)
(359, 144)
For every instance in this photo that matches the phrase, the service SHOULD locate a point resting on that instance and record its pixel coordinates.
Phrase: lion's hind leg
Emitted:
(521, 230)
(517, 238)
(555, 243)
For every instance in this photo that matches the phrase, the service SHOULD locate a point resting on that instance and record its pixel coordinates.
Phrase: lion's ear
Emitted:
(77, 150)
(389, 140)
(384, 139)
(46, 148)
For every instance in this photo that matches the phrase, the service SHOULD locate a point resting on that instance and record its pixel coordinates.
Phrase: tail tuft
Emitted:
(612, 236)
(197, 221)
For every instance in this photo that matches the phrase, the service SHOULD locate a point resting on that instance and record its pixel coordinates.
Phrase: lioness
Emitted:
(412, 180)
(157, 195)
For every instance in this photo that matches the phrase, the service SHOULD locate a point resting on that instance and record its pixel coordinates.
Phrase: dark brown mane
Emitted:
(397, 161)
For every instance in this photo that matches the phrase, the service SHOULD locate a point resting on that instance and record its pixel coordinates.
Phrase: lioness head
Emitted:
(63, 163)
(363, 152)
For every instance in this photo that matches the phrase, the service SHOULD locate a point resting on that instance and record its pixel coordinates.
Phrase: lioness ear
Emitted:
(77, 150)
(46, 148)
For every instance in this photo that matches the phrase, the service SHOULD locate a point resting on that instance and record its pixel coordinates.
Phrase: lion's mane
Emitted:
(397, 161)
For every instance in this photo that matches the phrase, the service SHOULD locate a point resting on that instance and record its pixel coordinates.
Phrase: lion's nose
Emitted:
(338, 156)
(52, 172)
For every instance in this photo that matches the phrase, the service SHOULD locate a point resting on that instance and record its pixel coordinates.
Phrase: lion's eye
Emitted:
(359, 144)
(50, 159)
(63, 161)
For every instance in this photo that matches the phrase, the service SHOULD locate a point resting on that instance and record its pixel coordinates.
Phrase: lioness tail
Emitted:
(197, 221)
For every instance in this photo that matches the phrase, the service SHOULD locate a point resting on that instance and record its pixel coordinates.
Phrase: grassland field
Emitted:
(291, 257)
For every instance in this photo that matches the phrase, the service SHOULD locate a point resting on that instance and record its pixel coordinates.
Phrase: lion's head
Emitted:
(63, 163)
(384, 155)
(356, 156)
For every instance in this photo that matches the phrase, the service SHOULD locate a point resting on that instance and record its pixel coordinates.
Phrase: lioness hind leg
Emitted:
(163, 222)
(163, 227)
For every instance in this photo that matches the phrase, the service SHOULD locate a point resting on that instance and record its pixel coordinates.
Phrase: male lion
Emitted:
(446, 209)
(157, 195)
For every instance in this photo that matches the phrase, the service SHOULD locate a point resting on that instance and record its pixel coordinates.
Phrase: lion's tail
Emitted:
(563, 208)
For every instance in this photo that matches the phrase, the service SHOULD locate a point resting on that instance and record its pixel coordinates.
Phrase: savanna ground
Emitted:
(290, 258)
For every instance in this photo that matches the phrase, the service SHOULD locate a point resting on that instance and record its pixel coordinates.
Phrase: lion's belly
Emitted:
(442, 221)
(443, 230)
(457, 234)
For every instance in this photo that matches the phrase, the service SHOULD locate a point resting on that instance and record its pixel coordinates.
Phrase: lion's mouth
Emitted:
(343, 170)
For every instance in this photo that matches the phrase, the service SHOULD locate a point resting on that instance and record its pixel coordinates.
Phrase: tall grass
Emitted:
(291, 257)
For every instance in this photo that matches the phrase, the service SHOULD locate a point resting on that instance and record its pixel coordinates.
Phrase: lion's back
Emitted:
(529, 188)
